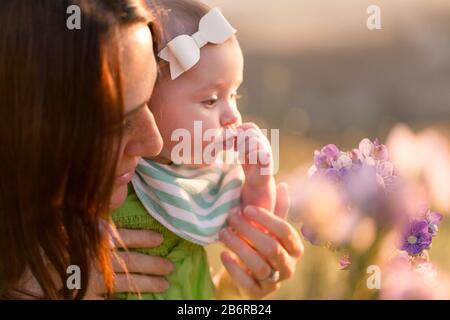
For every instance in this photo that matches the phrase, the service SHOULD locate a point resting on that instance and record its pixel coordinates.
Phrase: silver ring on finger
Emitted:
(274, 276)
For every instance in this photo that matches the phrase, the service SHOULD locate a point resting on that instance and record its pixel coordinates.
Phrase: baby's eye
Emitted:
(210, 103)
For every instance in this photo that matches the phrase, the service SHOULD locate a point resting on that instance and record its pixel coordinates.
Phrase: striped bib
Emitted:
(192, 203)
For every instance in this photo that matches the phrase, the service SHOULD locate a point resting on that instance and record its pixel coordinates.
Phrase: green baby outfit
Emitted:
(190, 279)
(188, 207)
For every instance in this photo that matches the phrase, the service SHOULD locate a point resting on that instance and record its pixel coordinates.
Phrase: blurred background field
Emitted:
(314, 71)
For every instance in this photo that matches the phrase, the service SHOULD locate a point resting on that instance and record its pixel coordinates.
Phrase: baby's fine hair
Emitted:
(174, 18)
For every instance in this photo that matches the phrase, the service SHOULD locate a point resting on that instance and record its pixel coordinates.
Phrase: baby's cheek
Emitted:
(168, 147)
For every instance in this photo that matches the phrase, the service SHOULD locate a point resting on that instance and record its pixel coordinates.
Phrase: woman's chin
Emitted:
(119, 196)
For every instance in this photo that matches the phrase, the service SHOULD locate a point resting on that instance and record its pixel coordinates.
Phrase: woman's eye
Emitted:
(128, 123)
(130, 119)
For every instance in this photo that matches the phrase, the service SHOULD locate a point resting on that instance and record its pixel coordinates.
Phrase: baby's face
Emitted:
(206, 93)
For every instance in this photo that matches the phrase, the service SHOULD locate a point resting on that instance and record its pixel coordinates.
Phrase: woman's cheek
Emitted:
(119, 196)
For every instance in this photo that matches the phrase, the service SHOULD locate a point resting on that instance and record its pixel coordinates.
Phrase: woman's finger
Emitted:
(240, 276)
(138, 283)
(134, 262)
(138, 239)
(283, 201)
(96, 286)
(281, 229)
(267, 247)
(253, 261)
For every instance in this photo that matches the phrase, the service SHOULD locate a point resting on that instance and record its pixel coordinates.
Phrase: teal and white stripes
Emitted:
(192, 203)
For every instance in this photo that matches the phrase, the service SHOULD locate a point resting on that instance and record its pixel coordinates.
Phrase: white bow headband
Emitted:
(183, 52)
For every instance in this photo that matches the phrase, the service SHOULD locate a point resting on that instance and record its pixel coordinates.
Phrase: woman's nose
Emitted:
(146, 141)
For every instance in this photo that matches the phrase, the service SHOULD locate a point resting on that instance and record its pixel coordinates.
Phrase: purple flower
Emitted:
(333, 175)
(331, 151)
(323, 158)
(433, 219)
(380, 151)
(309, 235)
(416, 238)
(321, 161)
(344, 262)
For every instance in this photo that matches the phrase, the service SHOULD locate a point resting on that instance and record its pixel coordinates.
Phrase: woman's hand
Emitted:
(263, 246)
(145, 273)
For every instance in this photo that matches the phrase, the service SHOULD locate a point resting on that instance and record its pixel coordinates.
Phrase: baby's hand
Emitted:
(256, 158)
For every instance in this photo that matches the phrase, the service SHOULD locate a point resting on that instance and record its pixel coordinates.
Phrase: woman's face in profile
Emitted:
(141, 136)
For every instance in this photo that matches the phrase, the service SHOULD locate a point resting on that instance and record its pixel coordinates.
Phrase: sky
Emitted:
(290, 25)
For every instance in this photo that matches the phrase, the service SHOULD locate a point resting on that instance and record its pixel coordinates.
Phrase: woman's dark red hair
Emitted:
(61, 112)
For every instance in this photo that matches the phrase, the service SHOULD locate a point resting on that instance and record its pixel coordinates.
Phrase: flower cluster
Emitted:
(370, 157)
(378, 205)
(369, 188)
(362, 178)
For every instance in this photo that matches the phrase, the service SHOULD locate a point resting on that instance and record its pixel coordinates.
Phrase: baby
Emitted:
(187, 192)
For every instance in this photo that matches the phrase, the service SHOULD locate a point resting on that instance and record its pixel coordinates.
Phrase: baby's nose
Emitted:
(229, 118)
(228, 121)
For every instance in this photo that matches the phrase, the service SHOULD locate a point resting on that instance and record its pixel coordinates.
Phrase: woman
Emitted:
(73, 125)
(67, 145)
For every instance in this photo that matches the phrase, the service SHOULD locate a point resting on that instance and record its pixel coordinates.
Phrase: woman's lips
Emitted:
(125, 178)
